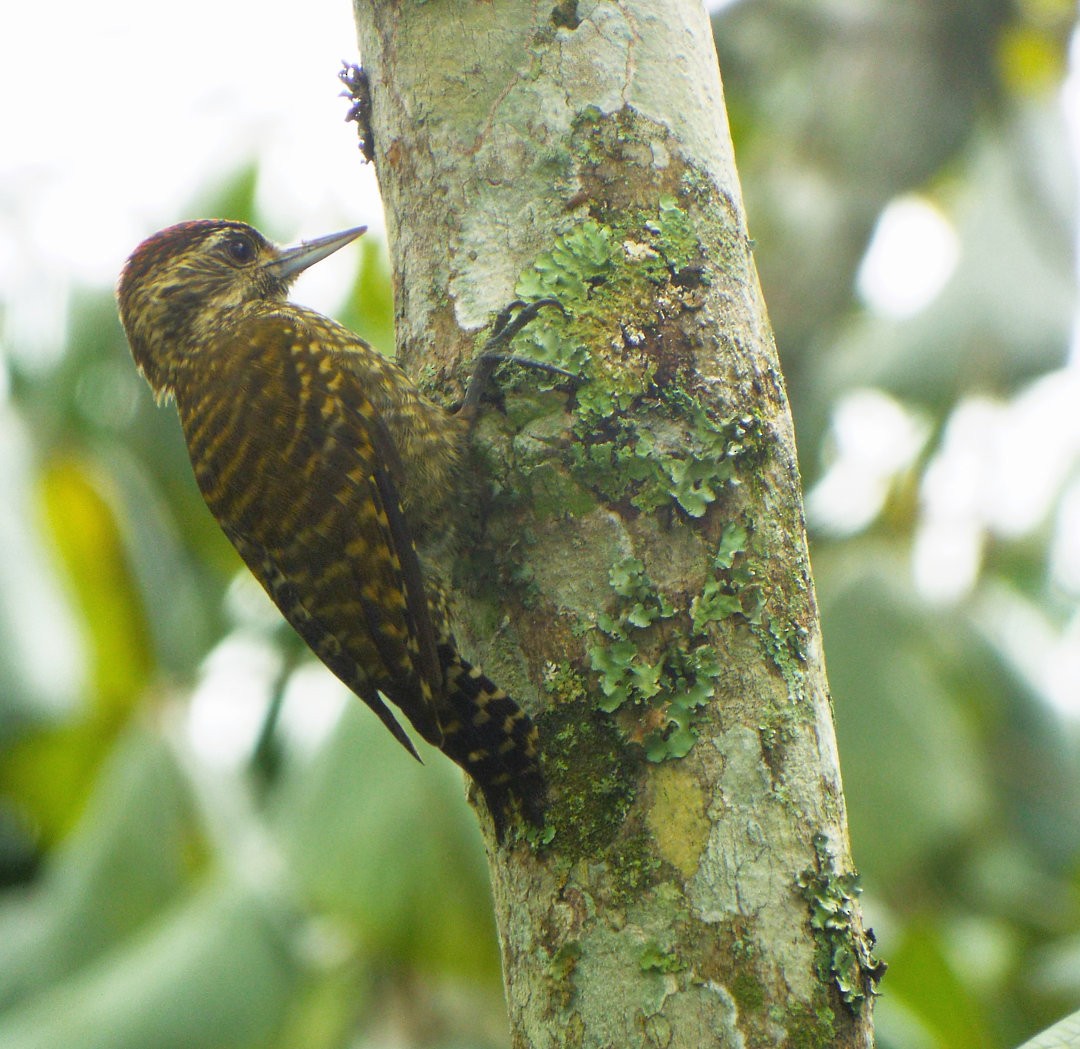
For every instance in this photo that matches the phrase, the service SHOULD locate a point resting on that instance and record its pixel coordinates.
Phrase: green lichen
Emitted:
(609, 386)
(642, 603)
(843, 953)
(599, 271)
(676, 452)
(721, 597)
(564, 683)
(680, 678)
(655, 958)
(695, 673)
(581, 259)
(741, 586)
(676, 239)
(642, 445)
(671, 683)
(634, 867)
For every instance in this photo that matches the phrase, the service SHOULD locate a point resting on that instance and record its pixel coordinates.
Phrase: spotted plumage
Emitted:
(326, 468)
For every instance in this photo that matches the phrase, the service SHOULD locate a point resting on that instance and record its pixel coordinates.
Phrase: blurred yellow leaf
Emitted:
(89, 544)
(1032, 61)
(49, 769)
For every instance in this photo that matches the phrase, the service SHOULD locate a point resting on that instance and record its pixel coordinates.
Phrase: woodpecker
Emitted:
(331, 474)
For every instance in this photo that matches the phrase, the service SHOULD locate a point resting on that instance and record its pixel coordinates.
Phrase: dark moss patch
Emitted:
(593, 775)
(564, 15)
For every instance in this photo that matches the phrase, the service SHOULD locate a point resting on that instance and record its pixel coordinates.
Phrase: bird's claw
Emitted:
(508, 323)
(511, 319)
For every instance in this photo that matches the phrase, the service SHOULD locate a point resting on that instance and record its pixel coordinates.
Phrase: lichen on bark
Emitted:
(638, 576)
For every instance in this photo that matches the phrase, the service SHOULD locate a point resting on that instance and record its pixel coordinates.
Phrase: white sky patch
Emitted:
(912, 255)
(47, 654)
(314, 700)
(1034, 448)
(1065, 545)
(230, 701)
(1047, 657)
(134, 110)
(946, 558)
(873, 438)
(1001, 469)
(950, 535)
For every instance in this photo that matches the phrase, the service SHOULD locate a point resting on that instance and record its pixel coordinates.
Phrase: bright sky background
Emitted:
(116, 115)
(110, 130)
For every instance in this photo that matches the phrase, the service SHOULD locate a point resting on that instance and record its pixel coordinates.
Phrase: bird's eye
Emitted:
(239, 248)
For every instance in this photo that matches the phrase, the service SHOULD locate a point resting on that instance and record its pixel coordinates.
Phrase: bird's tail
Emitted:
(493, 740)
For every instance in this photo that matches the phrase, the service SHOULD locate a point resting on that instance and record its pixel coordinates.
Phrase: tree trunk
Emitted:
(639, 580)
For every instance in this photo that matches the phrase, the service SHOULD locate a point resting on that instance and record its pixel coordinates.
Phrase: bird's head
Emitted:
(187, 282)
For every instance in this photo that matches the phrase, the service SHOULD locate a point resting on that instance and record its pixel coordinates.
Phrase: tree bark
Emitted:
(639, 579)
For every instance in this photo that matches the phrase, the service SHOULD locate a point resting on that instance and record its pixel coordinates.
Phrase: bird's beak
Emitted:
(295, 259)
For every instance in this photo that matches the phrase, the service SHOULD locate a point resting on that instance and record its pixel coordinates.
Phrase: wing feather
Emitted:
(304, 479)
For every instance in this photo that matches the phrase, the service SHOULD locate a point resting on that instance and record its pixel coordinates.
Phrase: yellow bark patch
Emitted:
(677, 817)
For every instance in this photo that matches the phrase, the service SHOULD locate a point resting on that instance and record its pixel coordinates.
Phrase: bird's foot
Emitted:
(508, 323)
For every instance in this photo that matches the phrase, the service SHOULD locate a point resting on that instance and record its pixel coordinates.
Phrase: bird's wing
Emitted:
(303, 478)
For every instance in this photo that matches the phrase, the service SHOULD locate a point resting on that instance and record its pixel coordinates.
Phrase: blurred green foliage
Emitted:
(319, 888)
(155, 897)
(962, 783)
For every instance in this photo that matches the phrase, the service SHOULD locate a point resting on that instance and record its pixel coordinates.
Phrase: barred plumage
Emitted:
(325, 466)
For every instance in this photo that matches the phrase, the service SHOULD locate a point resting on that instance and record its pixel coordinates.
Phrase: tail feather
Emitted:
(493, 740)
